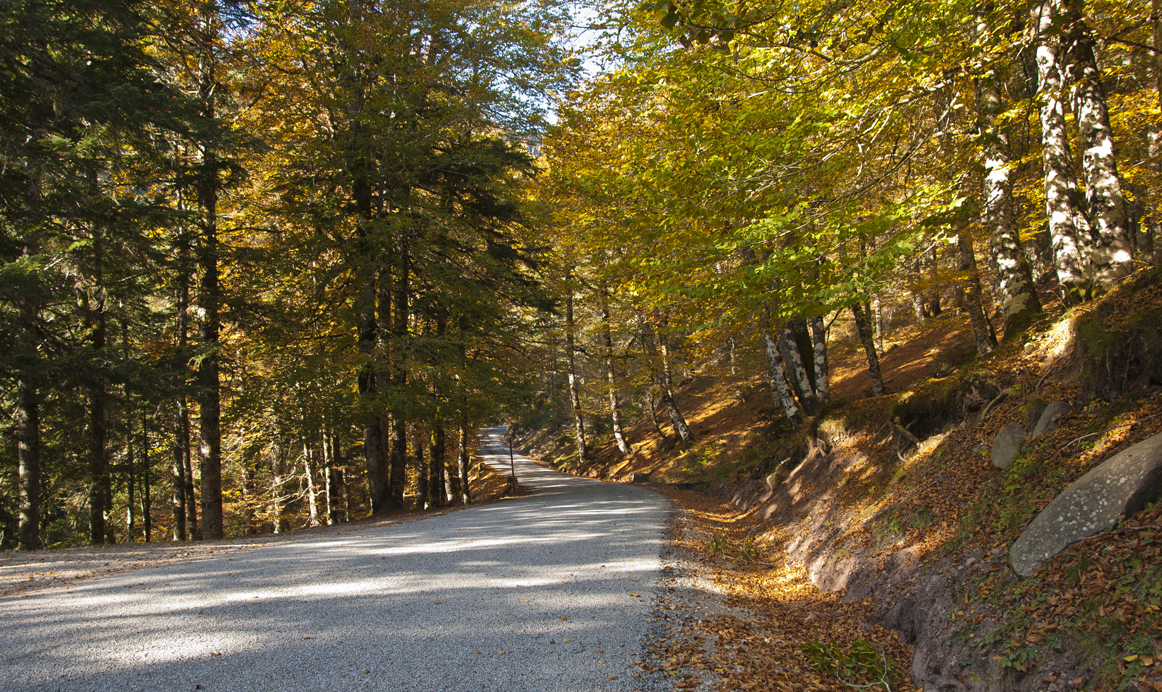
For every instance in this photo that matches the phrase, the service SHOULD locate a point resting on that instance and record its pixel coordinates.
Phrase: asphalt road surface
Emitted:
(548, 592)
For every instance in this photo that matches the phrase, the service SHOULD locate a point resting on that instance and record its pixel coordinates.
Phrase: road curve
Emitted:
(560, 581)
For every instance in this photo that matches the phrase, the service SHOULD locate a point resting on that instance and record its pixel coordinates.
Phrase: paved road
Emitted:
(548, 579)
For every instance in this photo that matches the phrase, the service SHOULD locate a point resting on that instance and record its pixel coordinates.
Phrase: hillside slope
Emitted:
(890, 511)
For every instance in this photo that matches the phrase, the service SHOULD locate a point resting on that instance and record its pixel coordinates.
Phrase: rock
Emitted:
(639, 477)
(976, 394)
(1033, 409)
(811, 617)
(1120, 485)
(1049, 417)
(1007, 443)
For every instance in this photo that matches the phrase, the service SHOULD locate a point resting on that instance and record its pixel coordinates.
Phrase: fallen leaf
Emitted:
(524, 600)
(306, 637)
(478, 651)
(366, 670)
(501, 653)
(435, 601)
(215, 653)
(564, 618)
(598, 651)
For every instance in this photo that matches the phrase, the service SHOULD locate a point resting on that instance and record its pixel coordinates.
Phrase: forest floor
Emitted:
(866, 503)
(23, 573)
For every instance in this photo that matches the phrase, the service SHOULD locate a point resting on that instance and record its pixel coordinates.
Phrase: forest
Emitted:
(269, 264)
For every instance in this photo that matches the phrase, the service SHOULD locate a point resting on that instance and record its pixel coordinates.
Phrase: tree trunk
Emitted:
(335, 489)
(338, 486)
(209, 402)
(969, 289)
(100, 490)
(777, 378)
(878, 315)
(667, 369)
(607, 339)
(797, 372)
(209, 293)
(194, 528)
(424, 490)
(868, 340)
(178, 473)
(312, 499)
(1156, 21)
(574, 385)
(822, 369)
(146, 499)
(277, 466)
(663, 380)
(915, 290)
(26, 424)
(654, 412)
(401, 311)
(463, 459)
(369, 379)
(438, 484)
(181, 430)
(676, 418)
(131, 492)
(1064, 207)
(1111, 255)
(1019, 302)
(932, 305)
(248, 496)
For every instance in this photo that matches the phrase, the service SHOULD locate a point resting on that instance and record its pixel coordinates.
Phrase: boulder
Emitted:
(1007, 443)
(639, 477)
(1049, 417)
(1120, 485)
(976, 393)
(1033, 409)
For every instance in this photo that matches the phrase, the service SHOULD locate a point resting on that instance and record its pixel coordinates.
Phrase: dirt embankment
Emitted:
(889, 513)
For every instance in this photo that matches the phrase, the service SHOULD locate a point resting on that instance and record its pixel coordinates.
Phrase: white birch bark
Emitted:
(1068, 226)
(1111, 254)
(777, 378)
(574, 385)
(878, 314)
(276, 470)
(614, 409)
(822, 373)
(1019, 302)
(312, 502)
(793, 362)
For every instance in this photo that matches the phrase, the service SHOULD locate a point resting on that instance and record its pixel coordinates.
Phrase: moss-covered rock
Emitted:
(1118, 343)
(936, 404)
